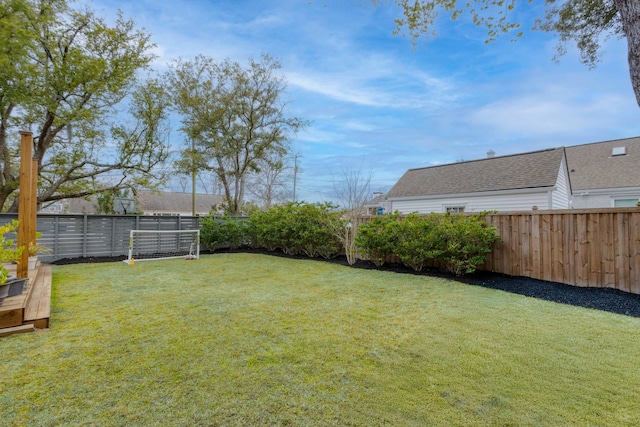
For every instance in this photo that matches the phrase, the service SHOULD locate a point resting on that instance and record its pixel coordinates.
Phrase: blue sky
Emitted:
(376, 103)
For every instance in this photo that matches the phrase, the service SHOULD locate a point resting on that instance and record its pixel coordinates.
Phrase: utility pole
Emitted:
(193, 178)
(295, 175)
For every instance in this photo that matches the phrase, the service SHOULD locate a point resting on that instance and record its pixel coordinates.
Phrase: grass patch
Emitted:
(243, 339)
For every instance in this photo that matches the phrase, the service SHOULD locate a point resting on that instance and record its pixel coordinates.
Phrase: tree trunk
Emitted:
(630, 14)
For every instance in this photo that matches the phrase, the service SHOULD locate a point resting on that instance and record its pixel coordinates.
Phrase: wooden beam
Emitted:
(33, 211)
(17, 330)
(24, 202)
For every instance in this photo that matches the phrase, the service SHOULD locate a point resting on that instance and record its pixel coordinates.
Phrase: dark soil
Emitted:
(605, 299)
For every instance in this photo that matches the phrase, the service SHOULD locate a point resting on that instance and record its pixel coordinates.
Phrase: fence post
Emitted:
(56, 236)
(85, 235)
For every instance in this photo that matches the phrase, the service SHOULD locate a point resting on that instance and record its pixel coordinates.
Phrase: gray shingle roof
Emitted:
(518, 171)
(591, 166)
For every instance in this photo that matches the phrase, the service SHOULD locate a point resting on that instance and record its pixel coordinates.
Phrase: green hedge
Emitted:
(460, 241)
(226, 231)
(376, 239)
(296, 228)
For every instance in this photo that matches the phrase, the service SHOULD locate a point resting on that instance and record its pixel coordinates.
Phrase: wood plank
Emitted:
(39, 307)
(557, 248)
(516, 250)
(634, 251)
(546, 260)
(608, 253)
(622, 253)
(10, 316)
(39, 323)
(44, 308)
(524, 224)
(594, 278)
(507, 260)
(582, 251)
(569, 236)
(16, 330)
(536, 256)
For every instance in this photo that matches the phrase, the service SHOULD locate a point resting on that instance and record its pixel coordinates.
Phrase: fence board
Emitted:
(557, 248)
(608, 253)
(595, 260)
(634, 241)
(545, 247)
(507, 264)
(621, 242)
(569, 252)
(524, 224)
(582, 251)
(536, 256)
(516, 252)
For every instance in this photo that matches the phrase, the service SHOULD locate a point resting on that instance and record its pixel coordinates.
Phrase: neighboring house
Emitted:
(157, 203)
(171, 203)
(536, 180)
(605, 174)
(377, 205)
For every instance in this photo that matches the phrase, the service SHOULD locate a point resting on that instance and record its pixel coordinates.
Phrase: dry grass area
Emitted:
(245, 339)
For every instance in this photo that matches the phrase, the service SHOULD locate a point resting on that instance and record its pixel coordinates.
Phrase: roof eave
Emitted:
(475, 194)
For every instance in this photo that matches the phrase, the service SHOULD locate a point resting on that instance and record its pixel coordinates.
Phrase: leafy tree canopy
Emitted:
(64, 73)
(235, 117)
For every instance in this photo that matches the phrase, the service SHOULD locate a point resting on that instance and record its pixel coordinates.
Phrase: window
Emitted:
(625, 203)
(454, 209)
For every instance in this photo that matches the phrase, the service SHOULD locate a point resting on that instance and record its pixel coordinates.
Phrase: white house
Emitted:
(605, 174)
(535, 180)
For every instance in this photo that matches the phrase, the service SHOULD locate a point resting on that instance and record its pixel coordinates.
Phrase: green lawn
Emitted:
(241, 339)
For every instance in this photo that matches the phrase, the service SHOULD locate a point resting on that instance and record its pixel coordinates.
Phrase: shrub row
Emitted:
(295, 228)
(461, 242)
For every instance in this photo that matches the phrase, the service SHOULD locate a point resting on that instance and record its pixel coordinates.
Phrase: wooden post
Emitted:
(24, 202)
(33, 212)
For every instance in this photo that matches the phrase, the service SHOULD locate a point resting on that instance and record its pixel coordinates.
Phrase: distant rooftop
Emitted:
(517, 171)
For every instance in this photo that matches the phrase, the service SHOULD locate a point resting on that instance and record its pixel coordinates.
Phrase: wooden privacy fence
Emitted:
(580, 247)
(587, 247)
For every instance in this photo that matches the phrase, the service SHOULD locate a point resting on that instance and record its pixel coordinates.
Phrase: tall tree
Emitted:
(353, 188)
(235, 116)
(583, 22)
(74, 69)
(271, 184)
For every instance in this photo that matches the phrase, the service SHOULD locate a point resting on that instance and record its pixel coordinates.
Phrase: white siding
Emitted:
(580, 201)
(561, 197)
(472, 203)
(602, 198)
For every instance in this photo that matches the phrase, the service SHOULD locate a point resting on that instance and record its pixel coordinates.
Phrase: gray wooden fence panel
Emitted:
(75, 236)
